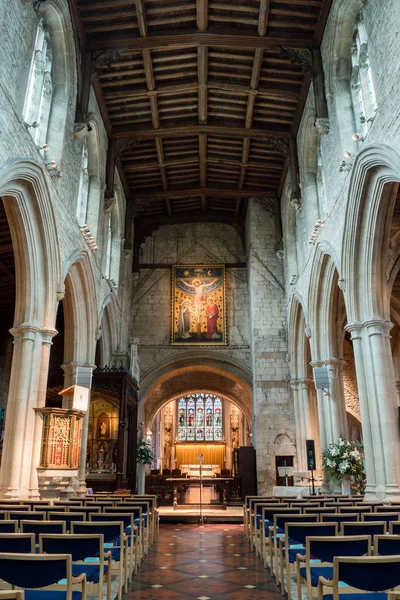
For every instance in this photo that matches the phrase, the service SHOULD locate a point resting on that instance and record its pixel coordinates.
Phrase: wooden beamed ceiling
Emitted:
(201, 99)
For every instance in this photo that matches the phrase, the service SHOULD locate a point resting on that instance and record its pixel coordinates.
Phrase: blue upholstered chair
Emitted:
(386, 545)
(68, 517)
(148, 519)
(376, 574)
(277, 531)
(371, 528)
(37, 527)
(17, 542)
(88, 557)
(138, 519)
(293, 543)
(27, 515)
(131, 532)
(8, 526)
(115, 541)
(339, 517)
(385, 516)
(33, 571)
(267, 521)
(323, 550)
(394, 527)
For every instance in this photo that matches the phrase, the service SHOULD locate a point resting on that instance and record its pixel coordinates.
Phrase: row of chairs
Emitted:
(286, 530)
(118, 536)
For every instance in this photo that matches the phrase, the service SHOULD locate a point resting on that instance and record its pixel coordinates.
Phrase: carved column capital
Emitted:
(322, 125)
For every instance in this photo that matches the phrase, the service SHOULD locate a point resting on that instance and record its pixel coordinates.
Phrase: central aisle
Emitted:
(202, 563)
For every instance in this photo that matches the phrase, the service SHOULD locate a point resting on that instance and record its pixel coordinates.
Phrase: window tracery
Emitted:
(361, 81)
(200, 418)
(39, 95)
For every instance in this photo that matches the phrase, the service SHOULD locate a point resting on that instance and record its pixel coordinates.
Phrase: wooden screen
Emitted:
(187, 454)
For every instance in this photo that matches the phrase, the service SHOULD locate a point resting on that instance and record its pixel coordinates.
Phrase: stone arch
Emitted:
(298, 325)
(308, 144)
(337, 72)
(96, 175)
(182, 375)
(109, 335)
(28, 204)
(374, 178)
(57, 17)
(80, 303)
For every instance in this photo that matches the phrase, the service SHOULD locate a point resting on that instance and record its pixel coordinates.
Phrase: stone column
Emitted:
(25, 381)
(76, 373)
(47, 336)
(335, 403)
(378, 407)
(273, 411)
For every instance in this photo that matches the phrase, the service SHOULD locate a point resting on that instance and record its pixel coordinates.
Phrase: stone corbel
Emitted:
(60, 291)
(109, 202)
(322, 125)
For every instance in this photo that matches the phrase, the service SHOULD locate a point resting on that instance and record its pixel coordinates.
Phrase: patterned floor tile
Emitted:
(212, 562)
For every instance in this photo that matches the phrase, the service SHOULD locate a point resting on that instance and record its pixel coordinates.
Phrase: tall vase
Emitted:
(141, 477)
(346, 487)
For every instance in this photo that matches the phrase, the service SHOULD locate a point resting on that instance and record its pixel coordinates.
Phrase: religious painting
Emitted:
(198, 305)
(103, 426)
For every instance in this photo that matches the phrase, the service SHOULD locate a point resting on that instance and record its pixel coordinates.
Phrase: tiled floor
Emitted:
(202, 563)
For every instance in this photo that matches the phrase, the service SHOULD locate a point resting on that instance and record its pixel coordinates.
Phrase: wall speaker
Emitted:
(321, 378)
(311, 466)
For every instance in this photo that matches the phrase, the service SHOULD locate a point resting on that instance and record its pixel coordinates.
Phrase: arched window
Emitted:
(38, 99)
(362, 86)
(81, 208)
(200, 418)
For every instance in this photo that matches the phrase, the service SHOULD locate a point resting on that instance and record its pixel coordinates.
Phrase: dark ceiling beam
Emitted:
(197, 192)
(111, 40)
(124, 131)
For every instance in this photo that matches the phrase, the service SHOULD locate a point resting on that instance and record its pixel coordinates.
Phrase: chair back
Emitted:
(17, 542)
(326, 548)
(11, 594)
(3, 515)
(258, 507)
(26, 515)
(35, 570)
(111, 530)
(84, 509)
(355, 509)
(136, 511)
(362, 528)
(394, 527)
(385, 545)
(339, 517)
(269, 513)
(300, 531)
(68, 517)
(392, 508)
(126, 518)
(372, 574)
(37, 527)
(320, 510)
(78, 546)
(387, 516)
(8, 526)
(68, 503)
(7, 507)
(281, 520)
(98, 503)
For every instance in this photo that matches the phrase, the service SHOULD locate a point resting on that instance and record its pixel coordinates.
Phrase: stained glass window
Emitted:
(200, 418)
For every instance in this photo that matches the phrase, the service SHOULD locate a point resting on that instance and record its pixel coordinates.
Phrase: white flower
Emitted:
(344, 466)
(333, 451)
(330, 463)
(341, 442)
(355, 453)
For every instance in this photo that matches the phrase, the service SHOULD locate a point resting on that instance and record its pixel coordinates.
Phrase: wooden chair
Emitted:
(278, 531)
(17, 543)
(82, 549)
(11, 594)
(38, 527)
(114, 541)
(367, 574)
(131, 532)
(293, 543)
(371, 528)
(37, 571)
(325, 549)
(68, 517)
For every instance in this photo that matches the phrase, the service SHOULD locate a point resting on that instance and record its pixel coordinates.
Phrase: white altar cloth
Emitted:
(291, 490)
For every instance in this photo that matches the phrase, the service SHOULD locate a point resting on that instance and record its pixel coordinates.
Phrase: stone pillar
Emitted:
(47, 336)
(26, 379)
(335, 402)
(273, 412)
(76, 373)
(378, 407)
(305, 420)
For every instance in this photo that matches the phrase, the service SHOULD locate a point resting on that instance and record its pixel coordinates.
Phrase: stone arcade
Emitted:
(262, 137)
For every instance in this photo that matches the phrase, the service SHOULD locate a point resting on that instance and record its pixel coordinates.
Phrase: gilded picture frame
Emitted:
(198, 305)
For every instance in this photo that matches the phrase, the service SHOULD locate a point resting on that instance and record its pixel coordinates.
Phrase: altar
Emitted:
(206, 470)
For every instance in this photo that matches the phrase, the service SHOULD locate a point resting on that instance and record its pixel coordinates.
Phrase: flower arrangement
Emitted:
(145, 455)
(344, 460)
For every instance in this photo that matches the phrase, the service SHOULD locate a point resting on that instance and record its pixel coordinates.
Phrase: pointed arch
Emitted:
(108, 318)
(371, 197)
(28, 203)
